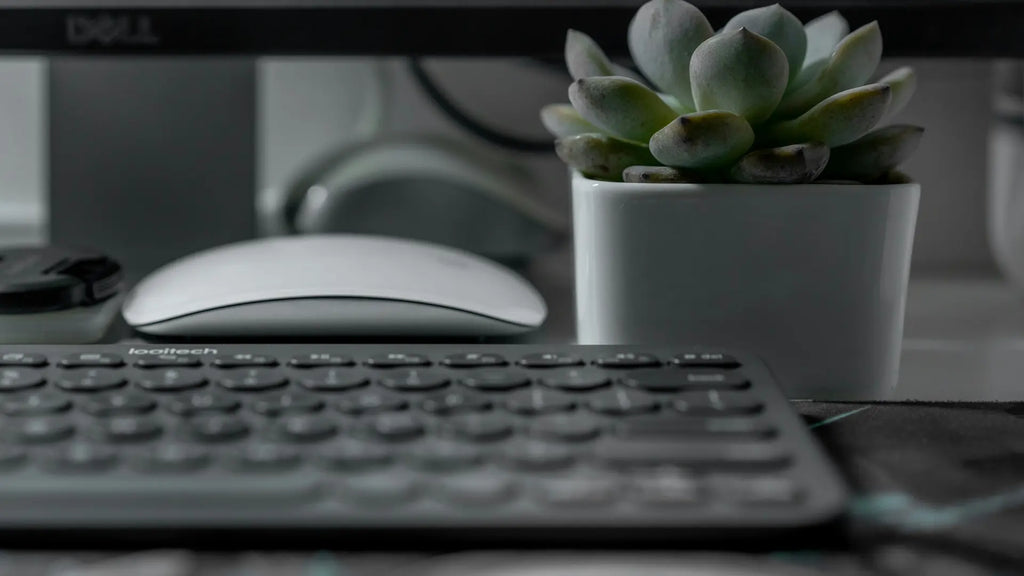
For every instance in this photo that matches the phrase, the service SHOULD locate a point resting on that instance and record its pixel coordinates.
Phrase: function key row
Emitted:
(389, 360)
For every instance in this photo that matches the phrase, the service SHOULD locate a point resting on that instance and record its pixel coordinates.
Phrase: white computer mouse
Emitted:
(333, 285)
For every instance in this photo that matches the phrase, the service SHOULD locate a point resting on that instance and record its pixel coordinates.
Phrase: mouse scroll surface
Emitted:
(291, 279)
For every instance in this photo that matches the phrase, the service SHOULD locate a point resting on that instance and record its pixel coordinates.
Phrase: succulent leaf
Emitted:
(662, 36)
(837, 120)
(852, 63)
(875, 154)
(601, 156)
(562, 120)
(903, 82)
(658, 174)
(584, 57)
(778, 25)
(740, 72)
(794, 164)
(620, 106)
(674, 103)
(823, 35)
(702, 140)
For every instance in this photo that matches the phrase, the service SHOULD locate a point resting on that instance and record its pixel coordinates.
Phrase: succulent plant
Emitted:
(766, 99)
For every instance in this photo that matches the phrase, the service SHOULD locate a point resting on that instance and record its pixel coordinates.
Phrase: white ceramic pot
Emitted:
(813, 278)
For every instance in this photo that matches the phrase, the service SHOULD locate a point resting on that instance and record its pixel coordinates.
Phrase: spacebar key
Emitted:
(704, 455)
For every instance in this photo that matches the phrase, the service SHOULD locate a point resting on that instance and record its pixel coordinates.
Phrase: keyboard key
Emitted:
(482, 427)
(320, 360)
(705, 360)
(172, 380)
(129, 429)
(17, 379)
(445, 455)
(474, 360)
(92, 380)
(218, 428)
(756, 490)
(42, 430)
(381, 491)
(287, 403)
(23, 359)
(628, 360)
(414, 380)
(169, 361)
(350, 454)
(566, 427)
(118, 404)
(495, 380)
(539, 401)
(253, 380)
(306, 429)
(449, 403)
(398, 427)
(622, 402)
(715, 403)
(579, 380)
(703, 428)
(173, 458)
(265, 457)
(550, 360)
(534, 456)
(397, 360)
(91, 360)
(38, 404)
(476, 490)
(371, 403)
(203, 403)
(684, 380)
(666, 487)
(333, 379)
(244, 361)
(81, 459)
(689, 454)
(583, 492)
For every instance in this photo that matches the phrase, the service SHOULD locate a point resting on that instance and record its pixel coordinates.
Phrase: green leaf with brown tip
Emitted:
(903, 82)
(658, 175)
(839, 119)
(778, 25)
(702, 140)
(795, 164)
(662, 36)
(584, 57)
(850, 65)
(601, 156)
(562, 120)
(620, 106)
(875, 154)
(740, 72)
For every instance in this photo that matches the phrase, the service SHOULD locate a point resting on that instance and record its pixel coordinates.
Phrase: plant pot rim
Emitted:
(697, 188)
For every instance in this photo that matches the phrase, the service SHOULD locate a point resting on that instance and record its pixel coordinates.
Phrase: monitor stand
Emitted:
(151, 159)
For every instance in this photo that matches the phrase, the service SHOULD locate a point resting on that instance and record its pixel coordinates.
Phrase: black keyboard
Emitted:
(531, 444)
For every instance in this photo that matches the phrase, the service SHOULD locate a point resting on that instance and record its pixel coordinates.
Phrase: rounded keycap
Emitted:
(380, 491)
(244, 360)
(534, 456)
(661, 380)
(371, 402)
(320, 360)
(449, 403)
(397, 360)
(550, 360)
(539, 401)
(445, 455)
(577, 380)
(81, 459)
(15, 379)
(566, 427)
(218, 428)
(37, 404)
(622, 402)
(91, 360)
(169, 361)
(333, 379)
(23, 359)
(414, 380)
(306, 429)
(580, 492)
(716, 403)
(43, 430)
(628, 360)
(118, 404)
(666, 487)
(253, 380)
(171, 458)
(473, 360)
(172, 380)
(91, 380)
(203, 403)
(756, 490)
(495, 380)
(129, 429)
(705, 360)
(398, 427)
(349, 454)
(265, 457)
(476, 490)
(287, 403)
(482, 427)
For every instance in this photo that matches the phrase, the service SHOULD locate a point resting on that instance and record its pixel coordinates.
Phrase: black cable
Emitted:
(469, 123)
